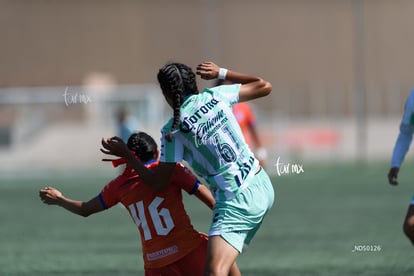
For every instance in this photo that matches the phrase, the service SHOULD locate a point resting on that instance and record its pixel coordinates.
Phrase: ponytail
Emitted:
(176, 80)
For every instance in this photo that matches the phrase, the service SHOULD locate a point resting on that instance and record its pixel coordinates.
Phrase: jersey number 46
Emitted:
(161, 219)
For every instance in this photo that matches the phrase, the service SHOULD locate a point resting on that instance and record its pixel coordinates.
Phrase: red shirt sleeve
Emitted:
(110, 194)
(185, 179)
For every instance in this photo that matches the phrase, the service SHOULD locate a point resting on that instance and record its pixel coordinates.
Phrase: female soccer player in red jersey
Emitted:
(170, 244)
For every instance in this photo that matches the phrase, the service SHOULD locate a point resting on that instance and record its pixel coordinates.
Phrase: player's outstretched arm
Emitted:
(252, 87)
(204, 194)
(157, 179)
(52, 196)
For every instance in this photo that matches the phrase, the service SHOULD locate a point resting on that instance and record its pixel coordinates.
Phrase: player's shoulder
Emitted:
(167, 126)
(179, 166)
(410, 100)
(121, 179)
(178, 169)
(411, 95)
(181, 172)
(152, 164)
(225, 88)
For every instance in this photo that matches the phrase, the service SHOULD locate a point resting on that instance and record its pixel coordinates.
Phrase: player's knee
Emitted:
(408, 228)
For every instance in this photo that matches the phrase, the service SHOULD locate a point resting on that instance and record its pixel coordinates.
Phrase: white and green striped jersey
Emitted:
(210, 140)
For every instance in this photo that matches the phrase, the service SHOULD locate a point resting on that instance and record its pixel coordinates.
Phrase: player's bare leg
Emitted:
(408, 226)
(221, 256)
(234, 270)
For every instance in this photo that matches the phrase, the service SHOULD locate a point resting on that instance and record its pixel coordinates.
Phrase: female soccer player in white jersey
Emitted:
(400, 150)
(204, 132)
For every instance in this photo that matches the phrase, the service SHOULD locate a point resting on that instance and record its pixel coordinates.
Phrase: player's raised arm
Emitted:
(252, 86)
(52, 196)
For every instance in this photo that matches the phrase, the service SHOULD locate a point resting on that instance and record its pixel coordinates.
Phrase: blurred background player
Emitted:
(170, 244)
(247, 121)
(401, 148)
(126, 123)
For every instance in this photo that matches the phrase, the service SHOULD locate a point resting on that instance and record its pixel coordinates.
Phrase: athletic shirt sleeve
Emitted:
(185, 179)
(405, 136)
(109, 196)
(227, 93)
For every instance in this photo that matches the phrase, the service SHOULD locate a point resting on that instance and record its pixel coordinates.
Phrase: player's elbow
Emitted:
(265, 87)
(84, 213)
(257, 89)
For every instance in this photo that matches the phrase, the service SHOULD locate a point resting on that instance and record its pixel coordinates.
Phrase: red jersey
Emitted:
(164, 226)
(245, 118)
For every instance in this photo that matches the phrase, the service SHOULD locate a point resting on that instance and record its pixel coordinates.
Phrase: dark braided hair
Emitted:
(177, 80)
(143, 145)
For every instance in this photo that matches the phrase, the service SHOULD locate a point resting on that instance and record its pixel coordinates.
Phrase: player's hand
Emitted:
(114, 146)
(392, 176)
(208, 70)
(49, 195)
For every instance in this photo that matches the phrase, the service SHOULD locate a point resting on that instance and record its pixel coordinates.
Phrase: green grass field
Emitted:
(318, 218)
